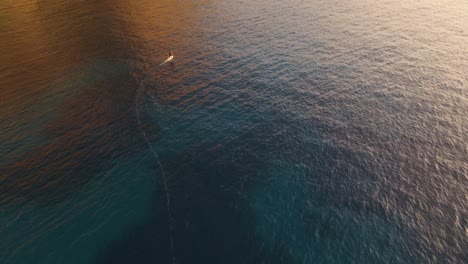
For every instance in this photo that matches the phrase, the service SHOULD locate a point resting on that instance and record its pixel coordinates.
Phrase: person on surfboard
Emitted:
(171, 56)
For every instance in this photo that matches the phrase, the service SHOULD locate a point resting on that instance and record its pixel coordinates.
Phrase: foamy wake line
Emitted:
(163, 173)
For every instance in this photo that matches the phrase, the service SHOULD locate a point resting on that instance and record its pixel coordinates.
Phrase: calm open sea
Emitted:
(292, 132)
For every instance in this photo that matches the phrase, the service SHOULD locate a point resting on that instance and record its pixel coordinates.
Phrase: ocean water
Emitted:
(282, 132)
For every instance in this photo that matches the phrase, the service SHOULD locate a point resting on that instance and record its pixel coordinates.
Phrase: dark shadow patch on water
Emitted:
(210, 213)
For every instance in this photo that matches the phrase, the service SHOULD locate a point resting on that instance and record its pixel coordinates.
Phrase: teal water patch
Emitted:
(292, 216)
(74, 230)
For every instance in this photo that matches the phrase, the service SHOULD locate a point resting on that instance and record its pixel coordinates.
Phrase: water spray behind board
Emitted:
(163, 173)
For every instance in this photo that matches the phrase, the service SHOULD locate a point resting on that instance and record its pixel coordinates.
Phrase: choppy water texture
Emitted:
(289, 131)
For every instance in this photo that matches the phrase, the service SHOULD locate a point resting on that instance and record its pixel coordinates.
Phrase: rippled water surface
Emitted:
(282, 132)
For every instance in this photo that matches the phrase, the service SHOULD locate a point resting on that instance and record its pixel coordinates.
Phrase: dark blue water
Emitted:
(282, 132)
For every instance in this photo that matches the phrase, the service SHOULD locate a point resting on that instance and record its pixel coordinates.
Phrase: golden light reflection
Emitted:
(67, 87)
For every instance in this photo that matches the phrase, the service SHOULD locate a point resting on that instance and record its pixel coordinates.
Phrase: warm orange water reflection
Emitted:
(67, 83)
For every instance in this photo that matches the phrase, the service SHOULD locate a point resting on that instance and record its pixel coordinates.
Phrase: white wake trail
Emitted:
(163, 173)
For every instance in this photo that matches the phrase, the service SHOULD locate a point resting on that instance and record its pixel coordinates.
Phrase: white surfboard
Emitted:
(167, 60)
